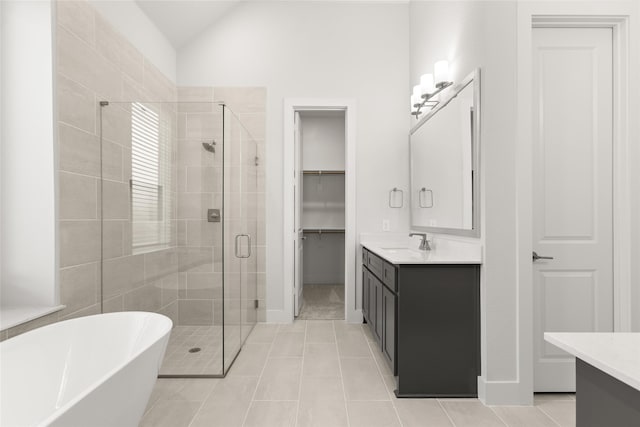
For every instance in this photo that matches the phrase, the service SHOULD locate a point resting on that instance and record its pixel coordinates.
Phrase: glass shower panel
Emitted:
(162, 238)
(249, 268)
(240, 278)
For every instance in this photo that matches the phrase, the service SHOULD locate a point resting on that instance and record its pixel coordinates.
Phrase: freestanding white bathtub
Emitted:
(91, 371)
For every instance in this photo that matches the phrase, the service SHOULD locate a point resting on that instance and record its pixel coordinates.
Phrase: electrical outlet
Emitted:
(385, 225)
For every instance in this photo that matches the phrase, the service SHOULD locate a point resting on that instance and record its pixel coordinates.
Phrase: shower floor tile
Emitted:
(181, 359)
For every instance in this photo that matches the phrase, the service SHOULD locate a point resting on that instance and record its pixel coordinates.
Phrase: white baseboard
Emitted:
(503, 393)
(278, 316)
(354, 316)
(281, 316)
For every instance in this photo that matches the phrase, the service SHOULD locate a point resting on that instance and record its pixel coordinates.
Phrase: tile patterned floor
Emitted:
(178, 360)
(325, 373)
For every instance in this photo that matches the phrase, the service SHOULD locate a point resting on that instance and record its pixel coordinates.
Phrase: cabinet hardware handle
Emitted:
(536, 257)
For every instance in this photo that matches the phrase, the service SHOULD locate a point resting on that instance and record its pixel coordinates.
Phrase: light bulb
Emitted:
(417, 91)
(441, 71)
(415, 100)
(426, 84)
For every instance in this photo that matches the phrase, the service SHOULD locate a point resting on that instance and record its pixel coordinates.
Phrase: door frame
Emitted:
(291, 105)
(564, 15)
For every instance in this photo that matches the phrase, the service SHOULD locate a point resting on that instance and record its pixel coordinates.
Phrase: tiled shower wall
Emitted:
(200, 187)
(94, 63)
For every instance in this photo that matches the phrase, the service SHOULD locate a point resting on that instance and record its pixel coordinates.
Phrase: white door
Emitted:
(299, 238)
(572, 193)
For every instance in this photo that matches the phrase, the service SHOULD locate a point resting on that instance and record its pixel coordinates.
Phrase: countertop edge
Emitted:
(454, 261)
(555, 338)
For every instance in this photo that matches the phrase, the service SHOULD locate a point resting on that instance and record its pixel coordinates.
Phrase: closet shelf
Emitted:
(323, 172)
(323, 230)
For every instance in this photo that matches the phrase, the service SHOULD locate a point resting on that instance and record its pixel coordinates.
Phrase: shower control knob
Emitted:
(213, 215)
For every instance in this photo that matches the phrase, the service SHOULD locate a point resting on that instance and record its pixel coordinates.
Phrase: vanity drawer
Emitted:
(375, 264)
(389, 276)
(383, 270)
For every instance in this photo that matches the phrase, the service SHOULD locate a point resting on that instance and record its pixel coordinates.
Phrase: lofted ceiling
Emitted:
(181, 20)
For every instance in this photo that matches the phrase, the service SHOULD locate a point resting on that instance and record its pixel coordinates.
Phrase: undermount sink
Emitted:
(404, 251)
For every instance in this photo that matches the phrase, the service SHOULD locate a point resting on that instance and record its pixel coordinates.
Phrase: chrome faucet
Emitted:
(424, 244)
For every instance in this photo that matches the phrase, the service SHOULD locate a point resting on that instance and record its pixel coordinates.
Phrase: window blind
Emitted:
(150, 178)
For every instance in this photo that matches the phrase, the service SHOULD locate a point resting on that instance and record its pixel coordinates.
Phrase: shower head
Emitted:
(210, 146)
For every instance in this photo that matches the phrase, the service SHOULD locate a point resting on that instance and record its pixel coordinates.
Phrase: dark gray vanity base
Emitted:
(438, 332)
(425, 319)
(602, 400)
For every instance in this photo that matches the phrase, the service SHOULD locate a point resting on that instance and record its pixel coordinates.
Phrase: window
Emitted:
(151, 195)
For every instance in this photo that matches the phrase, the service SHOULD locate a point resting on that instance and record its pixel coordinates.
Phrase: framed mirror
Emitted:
(444, 148)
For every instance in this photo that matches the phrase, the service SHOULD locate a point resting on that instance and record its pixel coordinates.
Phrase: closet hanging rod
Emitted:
(323, 172)
(323, 230)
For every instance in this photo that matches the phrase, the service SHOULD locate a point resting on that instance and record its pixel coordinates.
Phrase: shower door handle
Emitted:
(238, 236)
(248, 245)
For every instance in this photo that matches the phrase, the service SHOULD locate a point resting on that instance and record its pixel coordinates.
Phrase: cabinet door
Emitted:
(365, 293)
(377, 286)
(372, 302)
(389, 329)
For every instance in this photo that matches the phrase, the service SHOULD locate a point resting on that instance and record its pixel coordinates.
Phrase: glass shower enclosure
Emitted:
(179, 227)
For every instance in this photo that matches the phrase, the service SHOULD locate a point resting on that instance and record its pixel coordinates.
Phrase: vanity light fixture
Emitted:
(424, 92)
(441, 70)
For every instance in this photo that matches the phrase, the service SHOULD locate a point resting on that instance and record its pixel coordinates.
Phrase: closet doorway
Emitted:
(320, 214)
(319, 211)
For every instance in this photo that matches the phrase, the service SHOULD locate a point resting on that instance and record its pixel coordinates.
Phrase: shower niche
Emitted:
(179, 226)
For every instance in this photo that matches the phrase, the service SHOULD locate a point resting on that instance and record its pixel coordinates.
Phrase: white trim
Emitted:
(564, 14)
(500, 392)
(291, 105)
(278, 316)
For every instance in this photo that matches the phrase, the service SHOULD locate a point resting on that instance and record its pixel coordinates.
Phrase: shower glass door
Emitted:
(162, 224)
(240, 253)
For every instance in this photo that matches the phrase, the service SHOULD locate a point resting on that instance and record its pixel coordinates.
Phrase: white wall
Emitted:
(323, 141)
(28, 155)
(323, 201)
(323, 259)
(127, 17)
(482, 34)
(317, 50)
(485, 34)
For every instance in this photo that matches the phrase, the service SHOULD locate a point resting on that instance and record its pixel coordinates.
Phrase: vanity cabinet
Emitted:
(426, 320)
(389, 300)
(373, 304)
(379, 303)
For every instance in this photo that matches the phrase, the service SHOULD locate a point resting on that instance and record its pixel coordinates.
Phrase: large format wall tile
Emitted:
(76, 104)
(115, 200)
(79, 242)
(77, 17)
(195, 312)
(113, 238)
(81, 62)
(116, 123)
(78, 196)
(78, 151)
(145, 298)
(121, 275)
(79, 286)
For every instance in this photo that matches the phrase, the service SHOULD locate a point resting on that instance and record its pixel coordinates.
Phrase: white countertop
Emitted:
(443, 251)
(616, 353)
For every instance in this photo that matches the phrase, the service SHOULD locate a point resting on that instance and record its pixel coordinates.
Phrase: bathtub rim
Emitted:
(165, 321)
